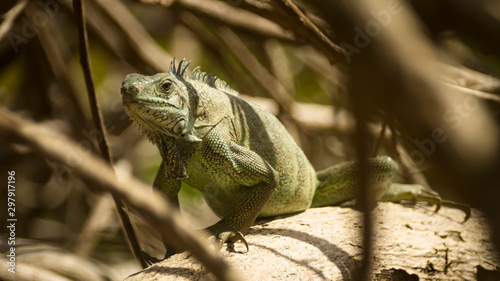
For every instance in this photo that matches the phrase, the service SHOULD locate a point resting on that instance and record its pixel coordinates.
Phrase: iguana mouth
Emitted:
(150, 103)
(152, 118)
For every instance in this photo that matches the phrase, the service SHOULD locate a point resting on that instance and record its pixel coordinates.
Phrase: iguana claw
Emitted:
(463, 207)
(231, 238)
(415, 193)
(222, 233)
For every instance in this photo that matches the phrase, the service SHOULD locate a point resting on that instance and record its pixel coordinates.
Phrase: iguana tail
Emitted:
(339, 183)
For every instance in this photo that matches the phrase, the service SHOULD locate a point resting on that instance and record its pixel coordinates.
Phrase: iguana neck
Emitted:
(211, 108)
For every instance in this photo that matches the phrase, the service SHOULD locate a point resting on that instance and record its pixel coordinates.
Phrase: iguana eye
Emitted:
(165, 86)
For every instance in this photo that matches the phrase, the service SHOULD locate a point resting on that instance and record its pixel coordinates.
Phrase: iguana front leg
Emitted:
(169, 187)
(246, 168)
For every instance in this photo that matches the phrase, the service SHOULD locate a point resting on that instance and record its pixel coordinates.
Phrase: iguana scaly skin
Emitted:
(239, 156)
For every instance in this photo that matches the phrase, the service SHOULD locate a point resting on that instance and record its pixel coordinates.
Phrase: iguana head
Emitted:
(162, 104)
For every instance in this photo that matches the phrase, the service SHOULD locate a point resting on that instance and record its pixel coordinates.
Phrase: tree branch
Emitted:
(388, 76)
(157, 211)
(223, 13)
(137, 36)
(10, 17)
(99, 124)
(287, 15)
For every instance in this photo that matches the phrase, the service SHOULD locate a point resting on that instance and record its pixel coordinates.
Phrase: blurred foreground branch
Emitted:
(9, 18)
(60, 150)
(386, 74)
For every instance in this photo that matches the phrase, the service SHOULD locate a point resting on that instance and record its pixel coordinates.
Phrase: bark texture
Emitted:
(411, 243)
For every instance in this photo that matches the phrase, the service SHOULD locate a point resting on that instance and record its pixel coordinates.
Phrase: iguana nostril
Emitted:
(129, 92)
(131, 86)
(135, 90)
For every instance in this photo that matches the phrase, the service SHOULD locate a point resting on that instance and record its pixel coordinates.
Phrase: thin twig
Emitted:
(221, 12)
(89, 78)
(137, 36)
(10, 17)
(99, 124)
(212, 43)
(471, 79)
(56, 52)
(272, 85)
(289, 19)
(318, 38)
(478, 94)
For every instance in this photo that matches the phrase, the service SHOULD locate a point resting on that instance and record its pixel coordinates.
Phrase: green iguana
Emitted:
(239, 156)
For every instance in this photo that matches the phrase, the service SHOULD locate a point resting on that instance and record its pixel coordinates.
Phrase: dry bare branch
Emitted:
(59, 149)
(293, 19)
(137, 36)
(267, 80)
(223, 13)
(98, 122)
(10, 17)
(387, 74)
